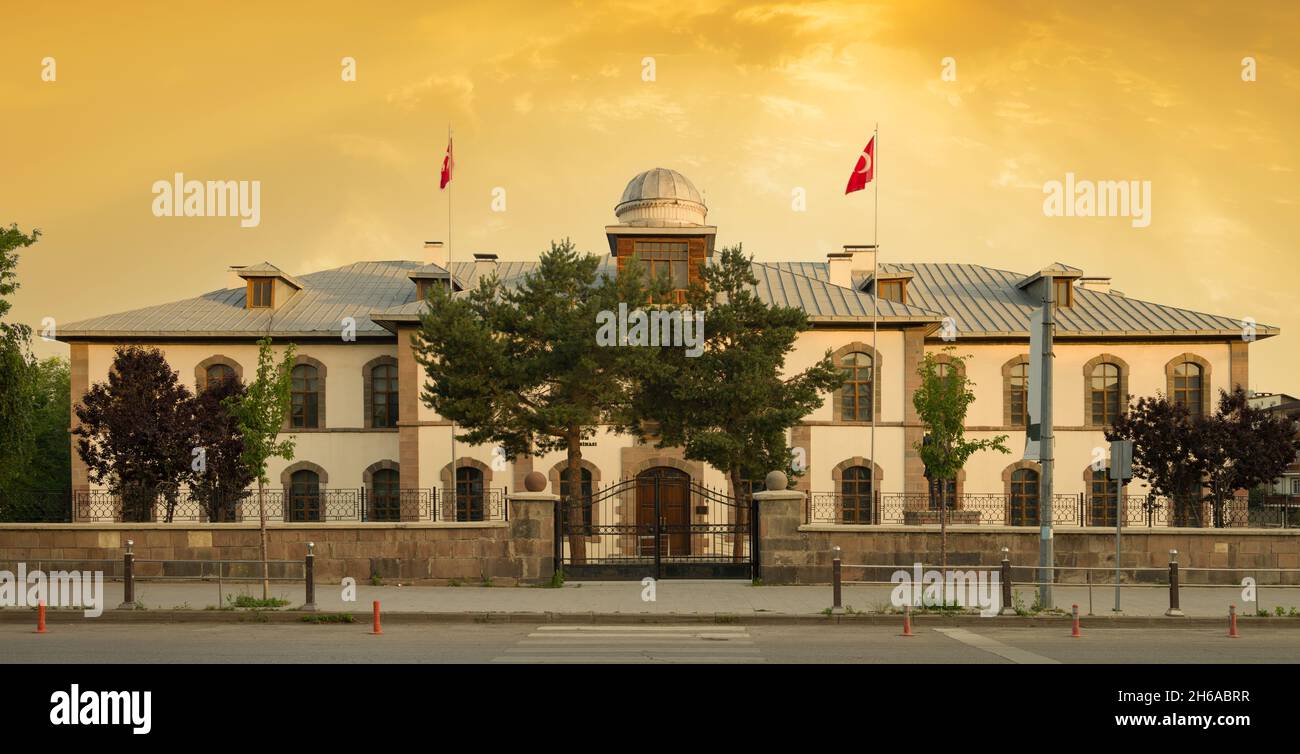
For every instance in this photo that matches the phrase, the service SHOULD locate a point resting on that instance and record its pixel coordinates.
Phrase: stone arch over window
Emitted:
(1099, 404)
(838, 397)
(287, 474)
(384, 413)
(944, 358)
(462, 463)
(382, 481)
(202, 369)
(304, 385)
(1015, 392)
(1178, 386)
(464, 493)
(857, 484)
(694, 470)
(554, 475)
(1020, 482)
(1101, 495)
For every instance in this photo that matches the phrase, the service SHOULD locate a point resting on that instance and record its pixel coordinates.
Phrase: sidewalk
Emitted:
(676, 598)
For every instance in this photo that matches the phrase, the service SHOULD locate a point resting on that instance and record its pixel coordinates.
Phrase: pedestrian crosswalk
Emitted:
(635, 644)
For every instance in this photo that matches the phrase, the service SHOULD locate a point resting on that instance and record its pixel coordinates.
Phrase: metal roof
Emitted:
(982, 301)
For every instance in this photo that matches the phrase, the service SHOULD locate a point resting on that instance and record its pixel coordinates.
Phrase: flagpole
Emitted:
(875, 303)
(451, 288)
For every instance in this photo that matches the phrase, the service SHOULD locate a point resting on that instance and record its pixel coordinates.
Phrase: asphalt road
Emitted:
(520, 643)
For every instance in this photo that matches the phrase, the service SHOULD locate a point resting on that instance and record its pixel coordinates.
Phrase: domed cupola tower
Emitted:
(661, 221)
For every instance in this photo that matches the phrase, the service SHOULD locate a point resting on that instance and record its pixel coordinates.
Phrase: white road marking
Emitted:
(642, 644)
(992, 646)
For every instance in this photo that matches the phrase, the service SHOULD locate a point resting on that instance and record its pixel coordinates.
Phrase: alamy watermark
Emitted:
(659, 327)
(977, 589)
(84, 589)
(181, 198)
(1083, 198)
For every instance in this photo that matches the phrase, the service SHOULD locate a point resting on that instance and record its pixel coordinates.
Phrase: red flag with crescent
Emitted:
(447, 165)
(865, 170)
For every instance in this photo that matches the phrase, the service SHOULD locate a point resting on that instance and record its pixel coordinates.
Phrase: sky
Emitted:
(554, 108)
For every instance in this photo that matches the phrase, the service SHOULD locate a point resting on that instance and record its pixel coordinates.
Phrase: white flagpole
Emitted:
(451, 288)
(875, 301)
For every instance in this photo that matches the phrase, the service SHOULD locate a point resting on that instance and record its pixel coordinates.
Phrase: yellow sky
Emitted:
(749, 100)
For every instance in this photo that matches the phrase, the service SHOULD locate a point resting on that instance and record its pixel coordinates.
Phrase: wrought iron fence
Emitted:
(321, 505)
(1080, 509)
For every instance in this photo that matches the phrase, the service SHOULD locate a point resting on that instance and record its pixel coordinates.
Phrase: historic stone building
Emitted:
(360, 425)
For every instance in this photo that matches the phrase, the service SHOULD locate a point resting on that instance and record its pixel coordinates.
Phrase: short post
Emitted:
(40, 617)
(376, 631)
(128, 577)
(310, 604)
(1232, 622)
(1173, 610)
(837, 608)
(1007, 607)
(1074, 630)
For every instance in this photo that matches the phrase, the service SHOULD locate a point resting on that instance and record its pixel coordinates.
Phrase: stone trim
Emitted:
(837, 395)
(79, 384)
(553, 476)
(1012, 468)
(300, 360)
(801, 437)
(367, 476)
(1206, 369)
(944, 358)
(449, 480)
(1006, 391)
(368, 389)
(1239, 364)
(1105, 358)
(877, 473)
(408, 407)
(286, 476)
(201, 370)
(1087, 480)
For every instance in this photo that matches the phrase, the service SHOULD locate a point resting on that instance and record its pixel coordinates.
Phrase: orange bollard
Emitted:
(1075, 631)
(40, 617)
(1232, 622)
(377, 630)
(907, 621)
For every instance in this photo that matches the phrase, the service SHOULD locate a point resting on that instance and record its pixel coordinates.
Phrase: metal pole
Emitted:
(1007, 606)
(310, 604)
(128, 577)
(875, 298)
(1119, 503)
(1173, 585)
(837, 601)
(1046, 556)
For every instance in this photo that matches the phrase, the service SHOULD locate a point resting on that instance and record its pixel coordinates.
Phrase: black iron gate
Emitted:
(660, 524)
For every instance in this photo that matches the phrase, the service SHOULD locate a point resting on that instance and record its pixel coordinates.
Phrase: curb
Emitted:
(362, 617)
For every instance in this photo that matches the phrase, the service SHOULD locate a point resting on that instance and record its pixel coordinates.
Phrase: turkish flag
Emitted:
(447, 165)
(865, 170)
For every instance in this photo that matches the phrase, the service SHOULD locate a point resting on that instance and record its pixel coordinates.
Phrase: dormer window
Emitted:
(260, 293)
(892, 290)
(1063, 292)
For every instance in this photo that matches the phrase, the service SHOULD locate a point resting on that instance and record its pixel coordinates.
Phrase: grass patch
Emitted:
(329, 618)
(249, 601)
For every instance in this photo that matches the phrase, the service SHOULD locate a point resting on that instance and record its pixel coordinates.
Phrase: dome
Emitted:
(661, 197)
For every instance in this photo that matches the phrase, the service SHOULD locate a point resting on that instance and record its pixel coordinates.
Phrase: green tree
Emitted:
(519, 366)
(259, 413)
(221, 480)
(17, 379)
(731, 404)
(50, 467)
(941, 402)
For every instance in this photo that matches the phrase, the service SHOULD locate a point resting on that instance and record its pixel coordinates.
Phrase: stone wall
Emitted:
(792, 552)
(520, 550)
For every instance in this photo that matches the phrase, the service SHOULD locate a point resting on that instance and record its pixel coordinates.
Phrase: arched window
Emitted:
(856, 495)
(1018, 394)
(581, 497)
(304, 496)
(1103, 498)
(859, 383)
(217, 373)
(305, 410)
(386, 500)
(1022, 500)
(469, 494)
(383, 395)
(1104, 393)
(1188, 384)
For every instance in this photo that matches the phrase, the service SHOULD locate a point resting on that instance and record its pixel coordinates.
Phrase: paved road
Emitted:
(514, 643)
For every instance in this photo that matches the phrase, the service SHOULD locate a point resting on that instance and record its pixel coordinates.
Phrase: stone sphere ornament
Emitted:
(776, 481)
(535, 481)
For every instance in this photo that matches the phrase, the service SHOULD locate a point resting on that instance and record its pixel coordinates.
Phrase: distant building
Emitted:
(1288, 485)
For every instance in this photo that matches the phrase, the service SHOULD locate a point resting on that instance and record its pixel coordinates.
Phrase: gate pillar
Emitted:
(780, 545)
(532, 545)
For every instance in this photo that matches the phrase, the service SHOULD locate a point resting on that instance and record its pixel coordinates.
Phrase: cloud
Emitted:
(457, 88)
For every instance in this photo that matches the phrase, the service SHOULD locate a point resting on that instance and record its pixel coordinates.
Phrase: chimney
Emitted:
(864, 256)
(435, 252)
(484, 265)
(839, 268)
(1100, 285)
